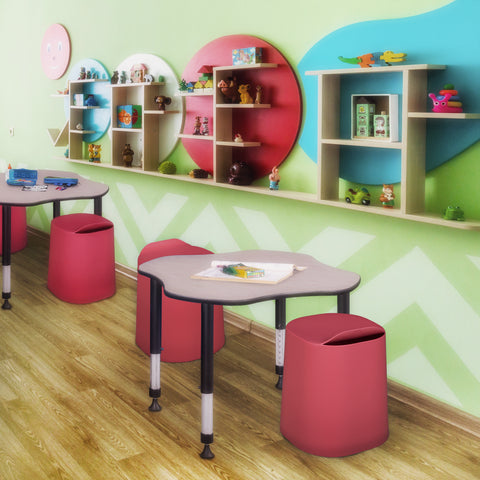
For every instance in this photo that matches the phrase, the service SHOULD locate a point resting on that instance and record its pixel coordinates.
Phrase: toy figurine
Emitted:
(94, 153)
(198, 173)
(360, 196)
(182, 86)
(454, 213)
(245, 96)
(240, 173)
(90, 101)
(162, 101)
(114, 79)
(387, 197)
(205, 129)
(79, 126)
(123, 77)
(197, 125)
(238, 138)
(229, 90)
(375, 59)
(447, 101)
(127, 155)
(148, 78)
(258, 95)
(274, 178)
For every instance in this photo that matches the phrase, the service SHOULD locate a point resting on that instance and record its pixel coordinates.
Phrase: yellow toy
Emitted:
(94, 152)
(245, 96)
(376, 59)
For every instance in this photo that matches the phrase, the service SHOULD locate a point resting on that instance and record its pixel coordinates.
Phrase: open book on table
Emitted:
(261, 272)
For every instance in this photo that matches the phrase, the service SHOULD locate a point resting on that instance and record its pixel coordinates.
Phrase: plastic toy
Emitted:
(167, 167)
(198, 173)
(274, 178)
(83, 74)
(229, 90)
(259, 94)
(127, 155)
(197, 125)
(387, 197)
(375, 59)
(162, 101)
(115, 78)
(138, 72)
(148, 78)
(205, 129)
(245, 96)
(454, 213)
(360, 196)
(90, 101)
(182, 86)
(447, 101)
(94, 152)
(238, 138)
(240, 173)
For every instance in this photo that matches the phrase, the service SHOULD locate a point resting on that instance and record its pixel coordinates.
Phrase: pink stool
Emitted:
(19, 229)
(181, 324)
(81, 263)
(334, 398)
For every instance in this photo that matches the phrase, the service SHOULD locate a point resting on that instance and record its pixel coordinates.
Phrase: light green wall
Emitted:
(419, 281)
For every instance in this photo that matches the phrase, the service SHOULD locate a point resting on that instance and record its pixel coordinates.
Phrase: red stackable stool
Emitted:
(18, 229)
(181, 321)
(81, 263)
(334, 398)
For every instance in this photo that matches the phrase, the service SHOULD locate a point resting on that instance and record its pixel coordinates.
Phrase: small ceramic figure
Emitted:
(162, 101)
(240, 173)
(229, 90)
(258, 95)
(387, 197)
(196, 126)
(245, 96)
(114, 79)
(274, 178)
(83, 74)
(127, 155)
(205, 129)
(238, 138)
(94, 152)
(90, 101)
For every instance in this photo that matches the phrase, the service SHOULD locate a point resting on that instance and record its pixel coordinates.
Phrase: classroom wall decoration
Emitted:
(55, 51)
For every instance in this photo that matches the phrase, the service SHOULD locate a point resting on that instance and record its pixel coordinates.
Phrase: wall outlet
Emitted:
(11, 130)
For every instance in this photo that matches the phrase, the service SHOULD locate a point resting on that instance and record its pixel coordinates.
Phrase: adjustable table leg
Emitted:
(280, 323)
(155, 342)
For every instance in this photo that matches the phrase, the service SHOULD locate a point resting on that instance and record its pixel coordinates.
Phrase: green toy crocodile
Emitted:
(376, 59)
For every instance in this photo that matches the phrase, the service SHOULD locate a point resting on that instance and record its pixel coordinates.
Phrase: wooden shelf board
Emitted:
(238, 144)
(362, 143)
(90, 80)
(454, 116)
(195, 94)
(81, 132)
(84, 107)
(246, 67)
(160, 112)
(130, 85)
(127, 130)
(243, 105)
(195, 137)
(393, 68)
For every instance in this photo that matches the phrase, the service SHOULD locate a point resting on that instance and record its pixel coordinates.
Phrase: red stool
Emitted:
(19, 229)
(81, 263)
(334, 398)
(181, 325)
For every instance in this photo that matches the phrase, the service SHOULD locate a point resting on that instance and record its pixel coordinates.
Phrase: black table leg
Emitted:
(56, 208)
(97, 206)
(155, 342)
(6, 252)
(280, 323)
(206, 385)
(343, 302)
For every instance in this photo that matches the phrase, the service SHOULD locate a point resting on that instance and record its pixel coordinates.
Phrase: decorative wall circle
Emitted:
(55, 51)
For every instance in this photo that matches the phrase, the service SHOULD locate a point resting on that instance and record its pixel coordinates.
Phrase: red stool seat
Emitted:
(81, 263)
(19, 229)
(334, 398)
(181, 325)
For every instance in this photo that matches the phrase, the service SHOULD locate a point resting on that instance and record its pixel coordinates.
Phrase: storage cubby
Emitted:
(410, 148)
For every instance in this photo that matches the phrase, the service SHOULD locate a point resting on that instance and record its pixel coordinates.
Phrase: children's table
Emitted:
(13, 196)
(174, 274)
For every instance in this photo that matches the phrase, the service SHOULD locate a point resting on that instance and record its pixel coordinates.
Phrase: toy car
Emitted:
(361, 196)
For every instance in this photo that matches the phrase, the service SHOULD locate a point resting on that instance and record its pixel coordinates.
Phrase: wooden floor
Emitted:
(74, 404)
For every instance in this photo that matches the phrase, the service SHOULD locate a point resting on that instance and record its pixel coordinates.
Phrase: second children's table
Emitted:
(174, 275)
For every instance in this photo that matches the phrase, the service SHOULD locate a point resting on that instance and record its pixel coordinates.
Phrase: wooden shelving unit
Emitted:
(411, 148)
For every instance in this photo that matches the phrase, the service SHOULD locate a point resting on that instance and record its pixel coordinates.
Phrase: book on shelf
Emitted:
(247, 272)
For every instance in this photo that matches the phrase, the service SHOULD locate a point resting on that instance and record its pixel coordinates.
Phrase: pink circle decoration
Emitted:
(55, 51)
(276, 127)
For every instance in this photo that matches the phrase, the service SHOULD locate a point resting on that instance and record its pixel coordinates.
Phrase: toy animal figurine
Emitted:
(274, 178)
(387, 197)
(245, 96)
(447, 101)
(148, 78)
(94, 153)
(238, 138)
(205, 129)
(229, 90)
(240, 173)
(259, 94)
(162, 101)
(83, 74)
(375, 59)
(454, 213)
(123, 77)
(127, 155)
(90, 101)
(197, 125)
(115, 78)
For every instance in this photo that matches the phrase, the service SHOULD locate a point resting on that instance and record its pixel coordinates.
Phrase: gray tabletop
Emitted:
(174, 273)
(85, 189)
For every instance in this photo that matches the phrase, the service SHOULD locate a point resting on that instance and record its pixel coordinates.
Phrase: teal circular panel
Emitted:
(446, 36)
(97, 119)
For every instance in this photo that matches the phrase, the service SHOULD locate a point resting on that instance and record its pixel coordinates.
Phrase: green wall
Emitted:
(419, 281)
